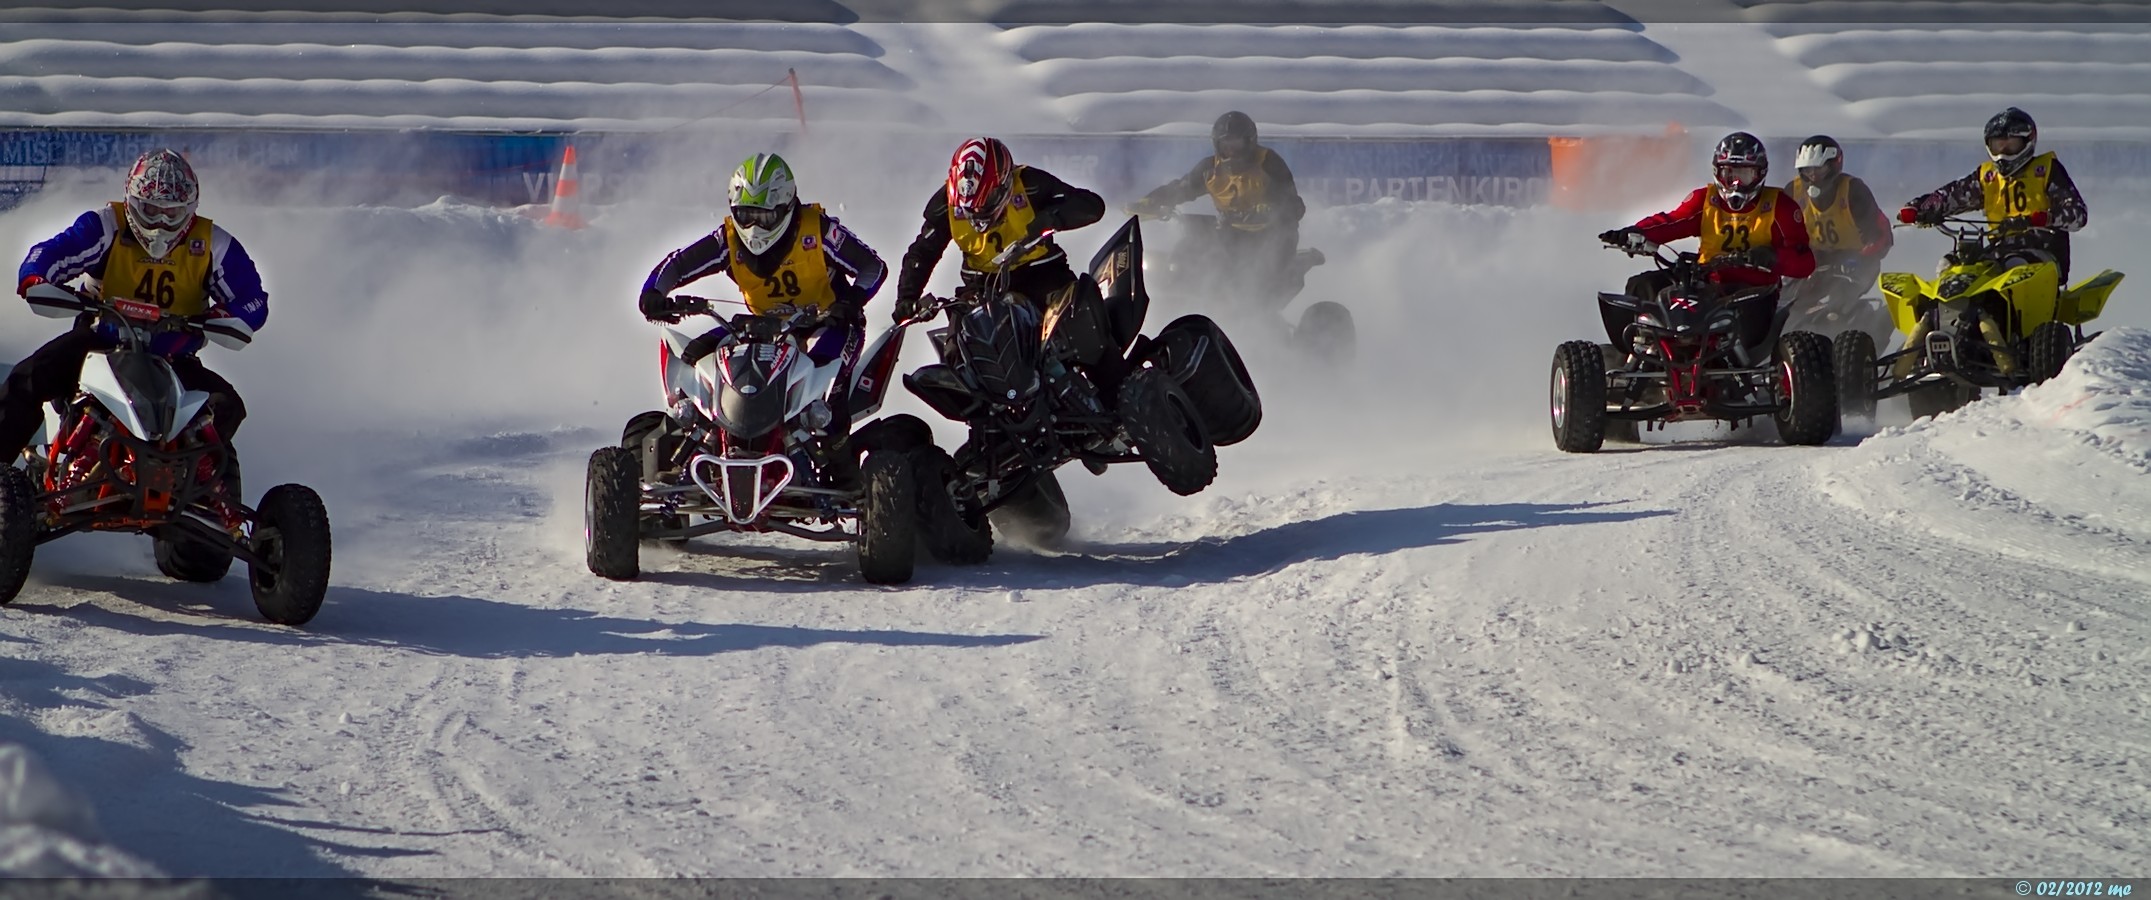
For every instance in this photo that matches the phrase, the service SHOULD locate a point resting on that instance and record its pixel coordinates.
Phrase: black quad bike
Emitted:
(1032, 382)
(1831, 302)
(135, 451)
(1202, 264)
(1684, 361)
(746, 447)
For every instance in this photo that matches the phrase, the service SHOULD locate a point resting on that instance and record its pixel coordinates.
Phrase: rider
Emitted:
(1255, 197)
(989, 203)
(150, 247)
(785, 256)
(2017, 183)
(1846, 228)
(1749, 228)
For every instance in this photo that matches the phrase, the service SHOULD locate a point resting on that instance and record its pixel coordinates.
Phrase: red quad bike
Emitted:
(134, 451)
(1685, 362)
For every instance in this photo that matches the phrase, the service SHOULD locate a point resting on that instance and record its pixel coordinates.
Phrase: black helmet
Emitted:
(1232, 136)
(1739, 166)
(1819, 152)
(2012, 139)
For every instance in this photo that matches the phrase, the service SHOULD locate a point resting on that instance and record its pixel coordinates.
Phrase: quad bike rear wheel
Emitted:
(1808, 412)
(612, 501)
(1855, 374)
(1199, 356)
(291, 536)
(1037, 515)
(1578, 397)
(948, 533)
(1938, 398)
(184, 558)
(888, 539)
(2051, 346)
(18, 530)
(1326, 329)
(1163, 423)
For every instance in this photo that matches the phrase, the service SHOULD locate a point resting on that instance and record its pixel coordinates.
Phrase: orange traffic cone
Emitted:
(567, 195)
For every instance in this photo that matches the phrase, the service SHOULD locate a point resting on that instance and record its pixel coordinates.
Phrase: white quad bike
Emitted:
(746, 447)
(134, 451)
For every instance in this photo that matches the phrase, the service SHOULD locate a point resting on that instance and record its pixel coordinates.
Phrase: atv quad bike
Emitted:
(134, 451)
(1202, 265)
(1831, 302)
(1993, 317)
(745, 447)
(1684, 361)
(1034, 381)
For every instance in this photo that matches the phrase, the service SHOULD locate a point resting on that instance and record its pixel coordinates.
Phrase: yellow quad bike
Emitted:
(1992, 317)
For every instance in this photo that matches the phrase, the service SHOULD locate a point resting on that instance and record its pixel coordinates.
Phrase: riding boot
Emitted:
(1992, 332)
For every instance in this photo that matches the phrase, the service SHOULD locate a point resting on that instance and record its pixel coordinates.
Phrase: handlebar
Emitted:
(135, 321)
(1008, 256)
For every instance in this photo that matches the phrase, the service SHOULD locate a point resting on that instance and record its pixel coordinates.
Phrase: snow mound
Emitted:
(48, 831)
(2053, 475)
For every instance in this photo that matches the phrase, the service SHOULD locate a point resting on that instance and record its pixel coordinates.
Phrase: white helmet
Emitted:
(763, 199)
(161, 197)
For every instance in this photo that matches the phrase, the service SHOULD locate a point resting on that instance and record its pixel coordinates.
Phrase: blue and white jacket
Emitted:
(83, 248)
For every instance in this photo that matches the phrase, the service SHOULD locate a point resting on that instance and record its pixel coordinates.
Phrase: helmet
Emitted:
(161, 196)
(1820, 161)
(1739, 166)
(1232, 136)
(981, 175)
(2012, 139)
(763, 199)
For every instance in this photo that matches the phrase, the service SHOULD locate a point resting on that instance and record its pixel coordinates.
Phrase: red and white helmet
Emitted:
(161, 197)
(980, 177)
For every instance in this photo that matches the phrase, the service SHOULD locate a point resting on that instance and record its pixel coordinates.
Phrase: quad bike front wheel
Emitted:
(948, 533)
(1627, 431)
(1162, 422)
(1855, 374)
(1577, 398)
(291, 537)
(888, 541)
(18, 530)
(2051, 346)
(612, 504)
(635, 438)
(1807, 410)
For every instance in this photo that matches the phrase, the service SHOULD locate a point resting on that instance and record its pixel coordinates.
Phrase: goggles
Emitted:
(158, 217)
(2007, 145)
(758, 217)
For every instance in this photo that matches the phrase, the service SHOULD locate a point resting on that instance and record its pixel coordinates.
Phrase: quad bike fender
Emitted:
(144, 418)
(2087, 299)
(1903, 292)
(877, 367)
(2032, 290)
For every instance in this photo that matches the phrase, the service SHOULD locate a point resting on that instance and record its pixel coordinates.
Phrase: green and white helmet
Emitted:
(763, 200)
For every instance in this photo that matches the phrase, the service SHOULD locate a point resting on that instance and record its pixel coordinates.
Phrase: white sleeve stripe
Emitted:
(69, 267)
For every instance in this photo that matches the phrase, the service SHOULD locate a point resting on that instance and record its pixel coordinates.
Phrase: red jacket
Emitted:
(1788, 235)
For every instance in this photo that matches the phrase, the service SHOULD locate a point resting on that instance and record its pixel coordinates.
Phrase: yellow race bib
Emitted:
(2019, 195)
(800, 281)
(1725, 231)
(1237, 194)
(980, 247)
(1829, 227)
(177, 284)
